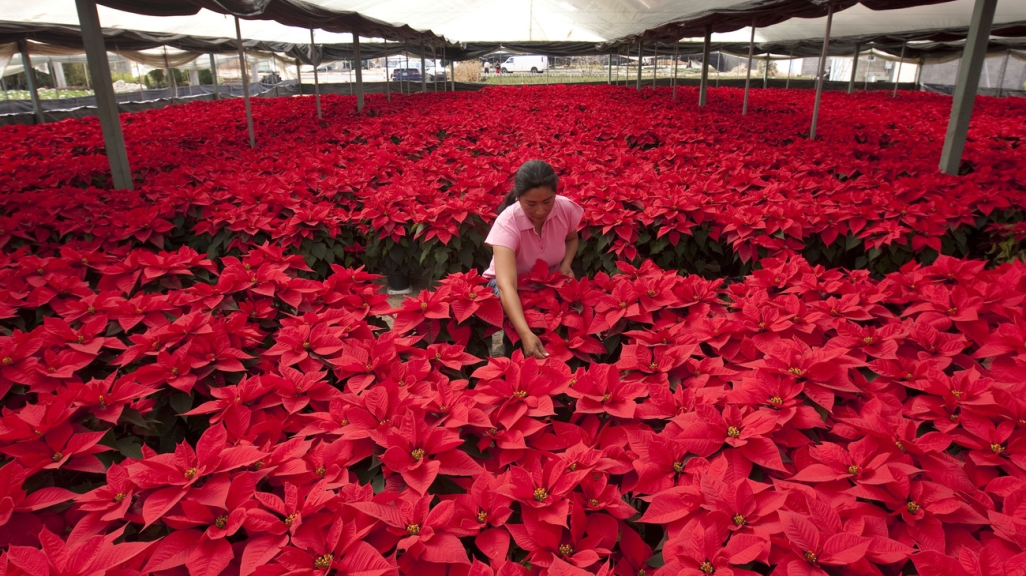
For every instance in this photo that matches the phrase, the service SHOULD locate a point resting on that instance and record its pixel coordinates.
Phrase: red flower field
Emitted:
(198, 377)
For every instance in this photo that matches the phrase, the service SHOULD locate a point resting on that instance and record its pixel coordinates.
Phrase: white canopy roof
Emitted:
(525, 20)
(860, 21)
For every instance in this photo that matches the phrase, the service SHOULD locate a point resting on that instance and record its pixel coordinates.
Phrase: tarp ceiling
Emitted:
(555, 27)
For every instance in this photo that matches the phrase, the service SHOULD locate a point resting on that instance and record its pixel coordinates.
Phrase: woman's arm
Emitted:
(506, 280)
(571, 252)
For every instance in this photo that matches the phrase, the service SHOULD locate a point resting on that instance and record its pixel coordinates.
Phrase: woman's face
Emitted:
(537, 203)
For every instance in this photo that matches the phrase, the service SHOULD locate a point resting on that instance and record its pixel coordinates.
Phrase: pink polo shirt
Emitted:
(514, 230)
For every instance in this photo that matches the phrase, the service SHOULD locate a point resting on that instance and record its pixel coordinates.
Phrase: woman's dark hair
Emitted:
(532, 174)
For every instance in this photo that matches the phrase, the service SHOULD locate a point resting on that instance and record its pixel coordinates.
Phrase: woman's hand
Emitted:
(565, 270)
(533, 347)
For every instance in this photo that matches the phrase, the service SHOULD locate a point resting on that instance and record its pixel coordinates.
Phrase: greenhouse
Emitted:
(514, 288)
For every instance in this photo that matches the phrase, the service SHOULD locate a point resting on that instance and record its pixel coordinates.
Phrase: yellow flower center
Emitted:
(853, 470)
(291, 518)
(566, 549)
(320, 471)
(57, 457)
(306, 345)
(120, 497)
(324, 562)
(221, 521)
(776, 401)
(190, 473)
(867, 340)
(413, 529)
(811, 556)
(7, 360)
(912, 507)
(540, 494)
(678, 467)
(593, 503)
(605, 397)
(956, 393)
(472, 295)
(997, 448)
(417, 454)
(520, 394)
(900, 445)
(707, 567)
(795, 371)
(623, 304)
(482, 516)
(739, 519)
(733, 432)
(423, 305)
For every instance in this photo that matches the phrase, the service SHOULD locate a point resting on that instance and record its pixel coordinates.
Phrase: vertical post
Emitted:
(245, 84)
(822, 70)
(434, 66)
(897, 74)
(170, 78)
(748, 75)
(790, 61)
(139, 74)
(299, 76)
(317, 85)
(3, 86)
(106, 105)
(640, 57)
(53, 76)
(85, 73)
(655, 64)
(765, 73)
(854, 68)
(423, 70)
(676, 48)
(213, 76)
(919, 73)
(719, 60)
(26, 62)
(358, 63)
(968, 83)
(703, 89)
(388, 81)
(274, 72)
(406, 75)
(452, 70)
(1001, 77)
(609, 73)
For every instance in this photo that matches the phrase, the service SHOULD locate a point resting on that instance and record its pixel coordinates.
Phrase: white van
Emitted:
(527, 63)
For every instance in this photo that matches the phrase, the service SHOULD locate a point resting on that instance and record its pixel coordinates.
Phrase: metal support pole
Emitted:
(53, 76)
(703, 89)
(106, 104)
(897, 75)
(765, 73)
(452, 70)
(3, 86)
(299, 77)
(434, 66)
(274, 73)
(919, 73)
(968, 83)
(790, 61)
(213, 76)
(640, 57)
(85, 73)
(37, 107)
(748, 74)
(406, 54)
(423, 70)
(854, 68)
(170, 78)
(245, 83)
(358, 63)
(719, 60)
(1001, 76)
(139, 74)
(388, 81)
(316, 61)
(676, 47)
(822, 71)
(609, 73)
(655, 65)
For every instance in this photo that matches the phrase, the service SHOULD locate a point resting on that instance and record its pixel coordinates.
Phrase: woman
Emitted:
(534, 224)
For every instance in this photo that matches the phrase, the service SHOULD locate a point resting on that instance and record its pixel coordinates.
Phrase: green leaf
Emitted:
(181, 402)
(851, 241)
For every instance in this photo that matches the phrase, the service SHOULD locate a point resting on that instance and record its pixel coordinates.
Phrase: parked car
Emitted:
(436, 74)
(408, 74)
